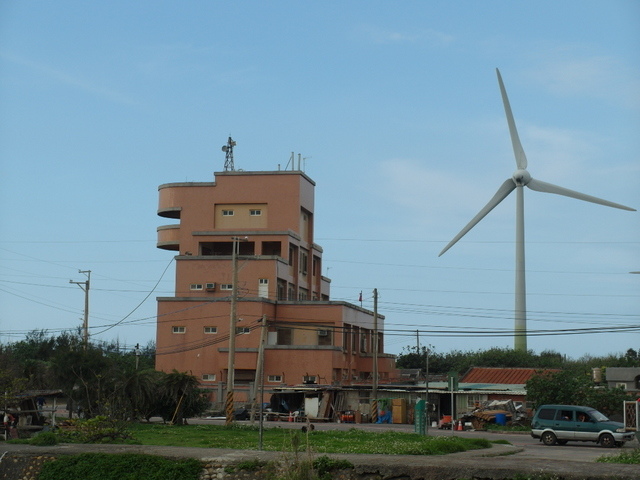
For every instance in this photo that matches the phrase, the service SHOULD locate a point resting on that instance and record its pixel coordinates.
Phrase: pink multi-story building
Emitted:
(269, 217)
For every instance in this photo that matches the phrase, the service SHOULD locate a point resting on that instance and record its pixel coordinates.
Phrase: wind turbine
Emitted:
(520, 178)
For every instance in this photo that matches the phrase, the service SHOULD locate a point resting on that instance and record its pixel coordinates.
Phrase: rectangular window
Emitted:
(304, 259)
(210, 330)
(242, 330)
(285, 336)
(275, 379)
(227, 213)
(179, 329)
(292, 255)
(226, 286)
(263, 287)
(255, 212)
(566, 415)
(195, 286)
(209, 377)
(309, 379)
(325, 337)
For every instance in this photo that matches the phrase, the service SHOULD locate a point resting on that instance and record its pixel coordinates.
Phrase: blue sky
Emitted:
(397, 110)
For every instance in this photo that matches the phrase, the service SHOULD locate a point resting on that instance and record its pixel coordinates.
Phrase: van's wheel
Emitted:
(549, 438)
(607, 440)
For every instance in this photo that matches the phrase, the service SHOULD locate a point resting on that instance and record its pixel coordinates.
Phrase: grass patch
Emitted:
(632, 457)
(244, 437)
(493, 427)
(102, 466)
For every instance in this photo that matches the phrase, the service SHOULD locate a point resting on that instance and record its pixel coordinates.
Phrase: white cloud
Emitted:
(379, 35)
(68, 79)
(601, 77)
(429, 194)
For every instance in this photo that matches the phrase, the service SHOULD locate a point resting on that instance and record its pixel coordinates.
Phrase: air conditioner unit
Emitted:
(210, 287)
(323, 333)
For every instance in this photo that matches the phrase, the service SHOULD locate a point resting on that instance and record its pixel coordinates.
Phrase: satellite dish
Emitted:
(224, 148)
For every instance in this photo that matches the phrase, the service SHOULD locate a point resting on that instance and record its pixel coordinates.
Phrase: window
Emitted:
(621, 385)
(195, 286)
(304, 259)
(263, 287)
(474, 401)
(284, 336)
(566, 415)
(242, 330)
(209, 377)
(227, 213)
(547, 414)
(274, 378)
(226, 286)
(210, 330)
(325, 337)
(363, 343)
(292, 255)
(255, 212)
(309, 379)
(303, 294)
(179, 329)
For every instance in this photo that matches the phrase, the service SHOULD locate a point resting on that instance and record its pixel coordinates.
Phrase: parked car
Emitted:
(559, 424)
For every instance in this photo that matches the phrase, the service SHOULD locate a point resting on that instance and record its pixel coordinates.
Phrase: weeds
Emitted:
(632, 457)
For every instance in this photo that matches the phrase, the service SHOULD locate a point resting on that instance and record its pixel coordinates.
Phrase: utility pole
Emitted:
(85, 287)
(374, 389)
(137, 351)
(259, 367)
(229, 405)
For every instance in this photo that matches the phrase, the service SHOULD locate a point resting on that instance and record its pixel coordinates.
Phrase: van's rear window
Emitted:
(547, 414)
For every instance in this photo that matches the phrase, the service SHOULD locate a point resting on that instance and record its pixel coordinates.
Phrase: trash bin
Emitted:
(420, 418)
(501, 419)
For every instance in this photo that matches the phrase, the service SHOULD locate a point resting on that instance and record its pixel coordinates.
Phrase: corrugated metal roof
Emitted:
(506, 376)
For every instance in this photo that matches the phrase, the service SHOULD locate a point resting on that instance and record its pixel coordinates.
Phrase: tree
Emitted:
(183, 397)
(572, 387)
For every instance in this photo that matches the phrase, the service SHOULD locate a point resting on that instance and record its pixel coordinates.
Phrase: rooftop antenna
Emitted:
(228, 159)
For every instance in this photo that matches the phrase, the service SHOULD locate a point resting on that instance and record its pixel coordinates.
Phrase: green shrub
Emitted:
(44, 439)
(102, 466)
(99, 429)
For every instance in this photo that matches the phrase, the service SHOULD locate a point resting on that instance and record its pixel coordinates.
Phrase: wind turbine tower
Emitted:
(521, 178)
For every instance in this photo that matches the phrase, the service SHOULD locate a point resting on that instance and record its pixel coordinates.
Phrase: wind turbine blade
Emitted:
(505, 189)
(540, 186)
(518, 151)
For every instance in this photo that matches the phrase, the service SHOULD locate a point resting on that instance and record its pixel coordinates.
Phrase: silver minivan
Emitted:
(559, 424)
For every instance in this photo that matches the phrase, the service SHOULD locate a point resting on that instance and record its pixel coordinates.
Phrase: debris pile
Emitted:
(494, 411)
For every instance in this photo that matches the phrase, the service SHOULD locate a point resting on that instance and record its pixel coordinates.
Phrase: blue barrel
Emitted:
(501, 419)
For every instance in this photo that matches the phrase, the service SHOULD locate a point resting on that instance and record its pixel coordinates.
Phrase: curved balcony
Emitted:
(169, 237)
(169, 203)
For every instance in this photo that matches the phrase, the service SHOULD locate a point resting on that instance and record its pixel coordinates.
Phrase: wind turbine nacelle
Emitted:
(521, 177)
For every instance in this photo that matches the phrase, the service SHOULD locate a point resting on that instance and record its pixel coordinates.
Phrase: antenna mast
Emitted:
(228, 159)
